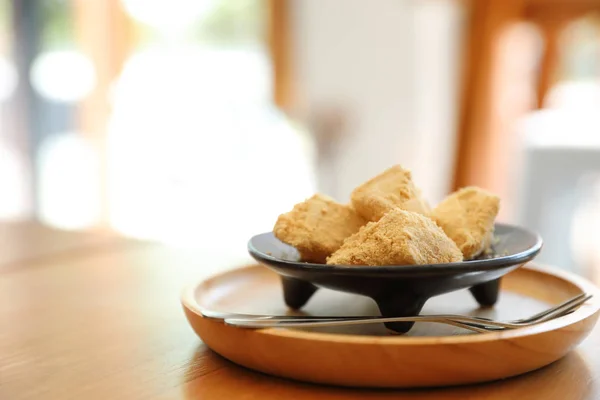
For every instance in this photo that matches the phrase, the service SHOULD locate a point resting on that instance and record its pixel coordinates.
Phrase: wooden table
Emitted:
(88, 316)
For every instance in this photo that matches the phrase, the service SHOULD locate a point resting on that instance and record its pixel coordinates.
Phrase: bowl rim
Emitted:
(455, 267)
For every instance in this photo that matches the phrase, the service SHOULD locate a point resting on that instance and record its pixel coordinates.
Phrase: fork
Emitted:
(477, 324)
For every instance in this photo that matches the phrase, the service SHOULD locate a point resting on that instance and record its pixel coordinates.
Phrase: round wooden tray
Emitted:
(371, 356)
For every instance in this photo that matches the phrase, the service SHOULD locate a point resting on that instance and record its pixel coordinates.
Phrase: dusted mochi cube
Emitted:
(390, 189)
(399, 238)
(467, 216)
(317, 227)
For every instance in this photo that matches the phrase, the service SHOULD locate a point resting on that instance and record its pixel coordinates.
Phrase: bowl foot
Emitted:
(400, 305)
(296, 292)
(486, 293)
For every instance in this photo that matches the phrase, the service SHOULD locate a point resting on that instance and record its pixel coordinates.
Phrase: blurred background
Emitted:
(196, 122)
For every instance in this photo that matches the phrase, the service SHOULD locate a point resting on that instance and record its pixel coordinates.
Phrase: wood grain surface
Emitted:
(24, 243)
(107, 324)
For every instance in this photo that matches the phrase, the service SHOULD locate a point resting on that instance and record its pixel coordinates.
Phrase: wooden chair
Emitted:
(479, 154)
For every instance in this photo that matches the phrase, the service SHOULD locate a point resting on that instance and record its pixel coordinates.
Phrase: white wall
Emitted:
(391, 67)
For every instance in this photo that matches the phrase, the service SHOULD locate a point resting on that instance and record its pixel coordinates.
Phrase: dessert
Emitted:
(399, 238)
(390, 223)
(467, 216)
(317, 227)
(391, 189)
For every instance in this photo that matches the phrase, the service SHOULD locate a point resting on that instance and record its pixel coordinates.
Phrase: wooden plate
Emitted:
(369, 355)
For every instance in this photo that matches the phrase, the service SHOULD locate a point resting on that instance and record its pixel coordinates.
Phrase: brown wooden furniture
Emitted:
(99, 318)
(486, 121)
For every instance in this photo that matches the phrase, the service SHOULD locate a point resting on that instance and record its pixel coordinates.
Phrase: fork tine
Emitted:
(552, 313)
(551, 310)
(559, 312)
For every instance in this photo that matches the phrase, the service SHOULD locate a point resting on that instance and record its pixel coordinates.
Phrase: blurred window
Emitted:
(152, 116)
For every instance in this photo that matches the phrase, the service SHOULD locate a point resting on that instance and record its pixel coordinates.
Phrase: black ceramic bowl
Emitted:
(398, 290)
